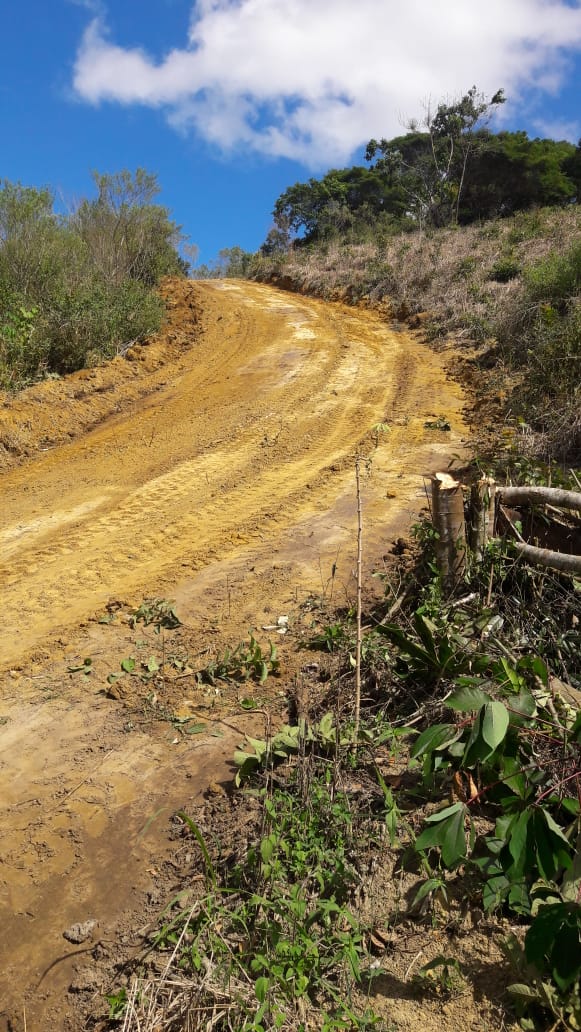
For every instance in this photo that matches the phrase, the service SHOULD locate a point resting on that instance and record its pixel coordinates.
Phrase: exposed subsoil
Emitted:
(214, 466)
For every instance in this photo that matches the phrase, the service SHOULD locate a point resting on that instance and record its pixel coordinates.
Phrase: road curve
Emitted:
(248, 433)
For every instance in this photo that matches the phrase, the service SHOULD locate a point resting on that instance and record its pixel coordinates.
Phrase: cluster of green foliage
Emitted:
(451, 169)
(232, 262)
(77, 288)
(247, 661)
(272, 938)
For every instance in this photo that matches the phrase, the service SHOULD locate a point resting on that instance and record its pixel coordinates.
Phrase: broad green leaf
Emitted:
(536, 666)
(454, 844)
(467, 698)
(128, 665)
(327, 726)
(517, 782)
(247, 765)
(427, 633)
(476, 749)
(494, 891)
(427, 887)
(554, 827)
(436, 737)
(566, 952)
(446, 829)
(524, 704)
(523, 991)
(553, 941)
(517, 839)
(267, 848)
(261, 987)
(494, 724)
(443, 815)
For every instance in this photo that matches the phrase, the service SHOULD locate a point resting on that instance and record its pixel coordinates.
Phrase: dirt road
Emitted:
(213, 466)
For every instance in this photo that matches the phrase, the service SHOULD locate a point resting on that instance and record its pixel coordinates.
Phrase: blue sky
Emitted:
(231, 101)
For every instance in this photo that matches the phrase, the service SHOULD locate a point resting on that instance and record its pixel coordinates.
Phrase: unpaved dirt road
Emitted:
(213, 466)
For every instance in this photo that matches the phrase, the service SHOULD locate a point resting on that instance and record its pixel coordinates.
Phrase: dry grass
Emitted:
(468, 281)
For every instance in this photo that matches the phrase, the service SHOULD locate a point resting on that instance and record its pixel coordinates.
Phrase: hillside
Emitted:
(506, 292)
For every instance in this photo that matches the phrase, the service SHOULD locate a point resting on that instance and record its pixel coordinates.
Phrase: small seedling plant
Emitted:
(248, 661)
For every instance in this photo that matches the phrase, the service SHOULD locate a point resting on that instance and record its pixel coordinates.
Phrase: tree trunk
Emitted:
(482, 500)
(448, 518)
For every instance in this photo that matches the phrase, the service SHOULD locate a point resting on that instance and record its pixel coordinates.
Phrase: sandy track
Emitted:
(220, 474)
(276, 392)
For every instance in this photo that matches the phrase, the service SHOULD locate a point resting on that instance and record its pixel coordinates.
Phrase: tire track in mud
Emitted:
(280, 390)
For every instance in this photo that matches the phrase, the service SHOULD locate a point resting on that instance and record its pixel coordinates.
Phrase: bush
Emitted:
(77, 289)
(505, 269)
(556, 280)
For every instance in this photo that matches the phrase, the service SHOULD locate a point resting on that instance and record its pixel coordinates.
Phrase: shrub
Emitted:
(505, 269)
(77, 289)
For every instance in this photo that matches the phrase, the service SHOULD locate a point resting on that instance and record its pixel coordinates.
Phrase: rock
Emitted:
(78, 933)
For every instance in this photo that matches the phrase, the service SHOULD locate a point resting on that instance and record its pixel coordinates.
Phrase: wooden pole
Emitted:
(482, 499)
(448, 518)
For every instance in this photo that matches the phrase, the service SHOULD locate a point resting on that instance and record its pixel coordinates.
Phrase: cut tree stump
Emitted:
(448, 519)
(482, 514)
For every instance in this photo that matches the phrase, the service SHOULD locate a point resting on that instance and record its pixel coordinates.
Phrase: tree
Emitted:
(434, 178)
(127, 234)
(343, 201)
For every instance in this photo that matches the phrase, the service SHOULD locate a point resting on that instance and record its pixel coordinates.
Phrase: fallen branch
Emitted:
(539, 496)
(554, 560)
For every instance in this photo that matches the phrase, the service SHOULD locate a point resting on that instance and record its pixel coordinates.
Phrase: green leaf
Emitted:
(128, 665)
(553, 942)
(494, 724)
(476, 748)
(517, 839)
(556, 830)
(454, 844)
(536, 666)
(267, 848)
(467, 698)
(566, 952)
(427, 887)
(246, 766)
(446, 830)
(436, 737)
(261, 987)
(327, 727)
(524, 704)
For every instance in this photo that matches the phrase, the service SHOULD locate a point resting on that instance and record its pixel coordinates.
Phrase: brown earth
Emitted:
(213, 465)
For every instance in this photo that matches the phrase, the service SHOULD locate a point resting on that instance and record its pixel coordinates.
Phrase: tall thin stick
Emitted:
(359, 598)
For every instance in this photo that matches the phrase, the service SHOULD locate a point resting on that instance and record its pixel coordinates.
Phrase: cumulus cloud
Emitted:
(315, 79)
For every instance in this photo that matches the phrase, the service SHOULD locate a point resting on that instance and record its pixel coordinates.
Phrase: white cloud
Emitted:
(559, 129)
(314, 79)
